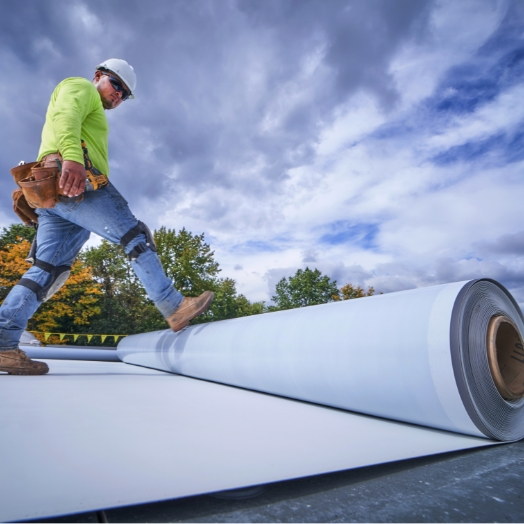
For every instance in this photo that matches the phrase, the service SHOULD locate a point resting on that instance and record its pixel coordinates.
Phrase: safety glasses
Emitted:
(118, 86)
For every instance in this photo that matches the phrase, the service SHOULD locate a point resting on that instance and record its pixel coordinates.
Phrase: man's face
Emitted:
(110, 95)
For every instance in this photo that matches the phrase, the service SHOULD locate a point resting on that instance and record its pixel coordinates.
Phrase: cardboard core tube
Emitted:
(506, 357)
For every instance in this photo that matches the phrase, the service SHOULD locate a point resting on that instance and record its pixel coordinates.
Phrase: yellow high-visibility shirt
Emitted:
(76, 113)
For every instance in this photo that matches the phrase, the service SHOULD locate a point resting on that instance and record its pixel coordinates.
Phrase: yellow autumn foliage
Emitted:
(13, 264)
(73, 305)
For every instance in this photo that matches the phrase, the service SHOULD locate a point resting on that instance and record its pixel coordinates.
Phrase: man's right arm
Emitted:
(73, 178)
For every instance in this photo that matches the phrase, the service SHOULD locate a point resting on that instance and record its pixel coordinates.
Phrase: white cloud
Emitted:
(456, 31)
(447, 222)
(360, 116)
(503, 114)
(89, 22)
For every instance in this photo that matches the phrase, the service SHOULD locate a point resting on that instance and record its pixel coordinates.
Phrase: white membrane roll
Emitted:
(71, 353)
(447, 357)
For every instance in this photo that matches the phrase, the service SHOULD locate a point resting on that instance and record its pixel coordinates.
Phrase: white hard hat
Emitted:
(123, 70)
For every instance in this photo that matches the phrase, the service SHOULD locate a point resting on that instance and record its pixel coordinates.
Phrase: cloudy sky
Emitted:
(379, 141)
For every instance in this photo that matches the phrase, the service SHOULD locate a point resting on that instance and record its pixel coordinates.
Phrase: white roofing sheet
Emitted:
(94, 435)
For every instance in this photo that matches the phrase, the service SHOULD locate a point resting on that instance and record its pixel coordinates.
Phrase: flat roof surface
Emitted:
(95, 435)
(479, 485)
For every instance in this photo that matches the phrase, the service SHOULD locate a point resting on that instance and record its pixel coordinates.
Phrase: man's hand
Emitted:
(73, 178)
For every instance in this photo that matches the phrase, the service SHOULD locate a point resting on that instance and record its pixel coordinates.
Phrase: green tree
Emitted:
(187, 259)
(15, 233)
(124, 306)
(229, 304)
(306, 288)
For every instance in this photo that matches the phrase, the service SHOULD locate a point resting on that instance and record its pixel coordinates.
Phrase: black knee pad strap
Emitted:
(139, 229)
(59, 275)
(32, 285)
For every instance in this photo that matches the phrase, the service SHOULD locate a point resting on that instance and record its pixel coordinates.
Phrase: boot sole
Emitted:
(22, 371)
(180, 326)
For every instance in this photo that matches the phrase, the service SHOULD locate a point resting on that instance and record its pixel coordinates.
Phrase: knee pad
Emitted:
(149, 244)
(59, 275)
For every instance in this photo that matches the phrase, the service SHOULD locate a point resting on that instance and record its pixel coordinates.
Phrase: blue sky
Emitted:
(379, 141)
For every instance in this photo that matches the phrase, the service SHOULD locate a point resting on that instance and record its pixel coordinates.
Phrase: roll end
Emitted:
(506, 357)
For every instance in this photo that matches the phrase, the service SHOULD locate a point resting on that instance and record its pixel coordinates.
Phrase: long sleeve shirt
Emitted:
(76, 113)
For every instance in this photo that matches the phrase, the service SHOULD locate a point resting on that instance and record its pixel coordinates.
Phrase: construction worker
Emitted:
(75, 137)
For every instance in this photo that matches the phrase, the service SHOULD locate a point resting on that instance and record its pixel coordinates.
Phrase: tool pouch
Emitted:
(20, 204)
(39, 184)
(24, 211)
(40, 188)
(22, 171)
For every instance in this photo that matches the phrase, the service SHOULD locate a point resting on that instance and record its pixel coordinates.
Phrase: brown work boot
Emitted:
(16, 362)
(190, 308)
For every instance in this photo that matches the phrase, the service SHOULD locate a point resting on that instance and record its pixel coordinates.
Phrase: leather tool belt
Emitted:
(39, 184)
(38, 189)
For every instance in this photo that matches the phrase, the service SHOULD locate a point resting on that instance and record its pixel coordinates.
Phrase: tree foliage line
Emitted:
(103, 294)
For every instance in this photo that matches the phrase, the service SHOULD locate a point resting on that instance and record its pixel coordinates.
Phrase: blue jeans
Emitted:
(62, 231)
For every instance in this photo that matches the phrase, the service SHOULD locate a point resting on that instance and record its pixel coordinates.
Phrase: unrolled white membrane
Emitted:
(447, 357)
(93, 435)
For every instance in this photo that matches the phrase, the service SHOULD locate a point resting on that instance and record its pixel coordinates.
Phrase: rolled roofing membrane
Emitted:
(449, 357)
(71, 353)
(411, 373)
